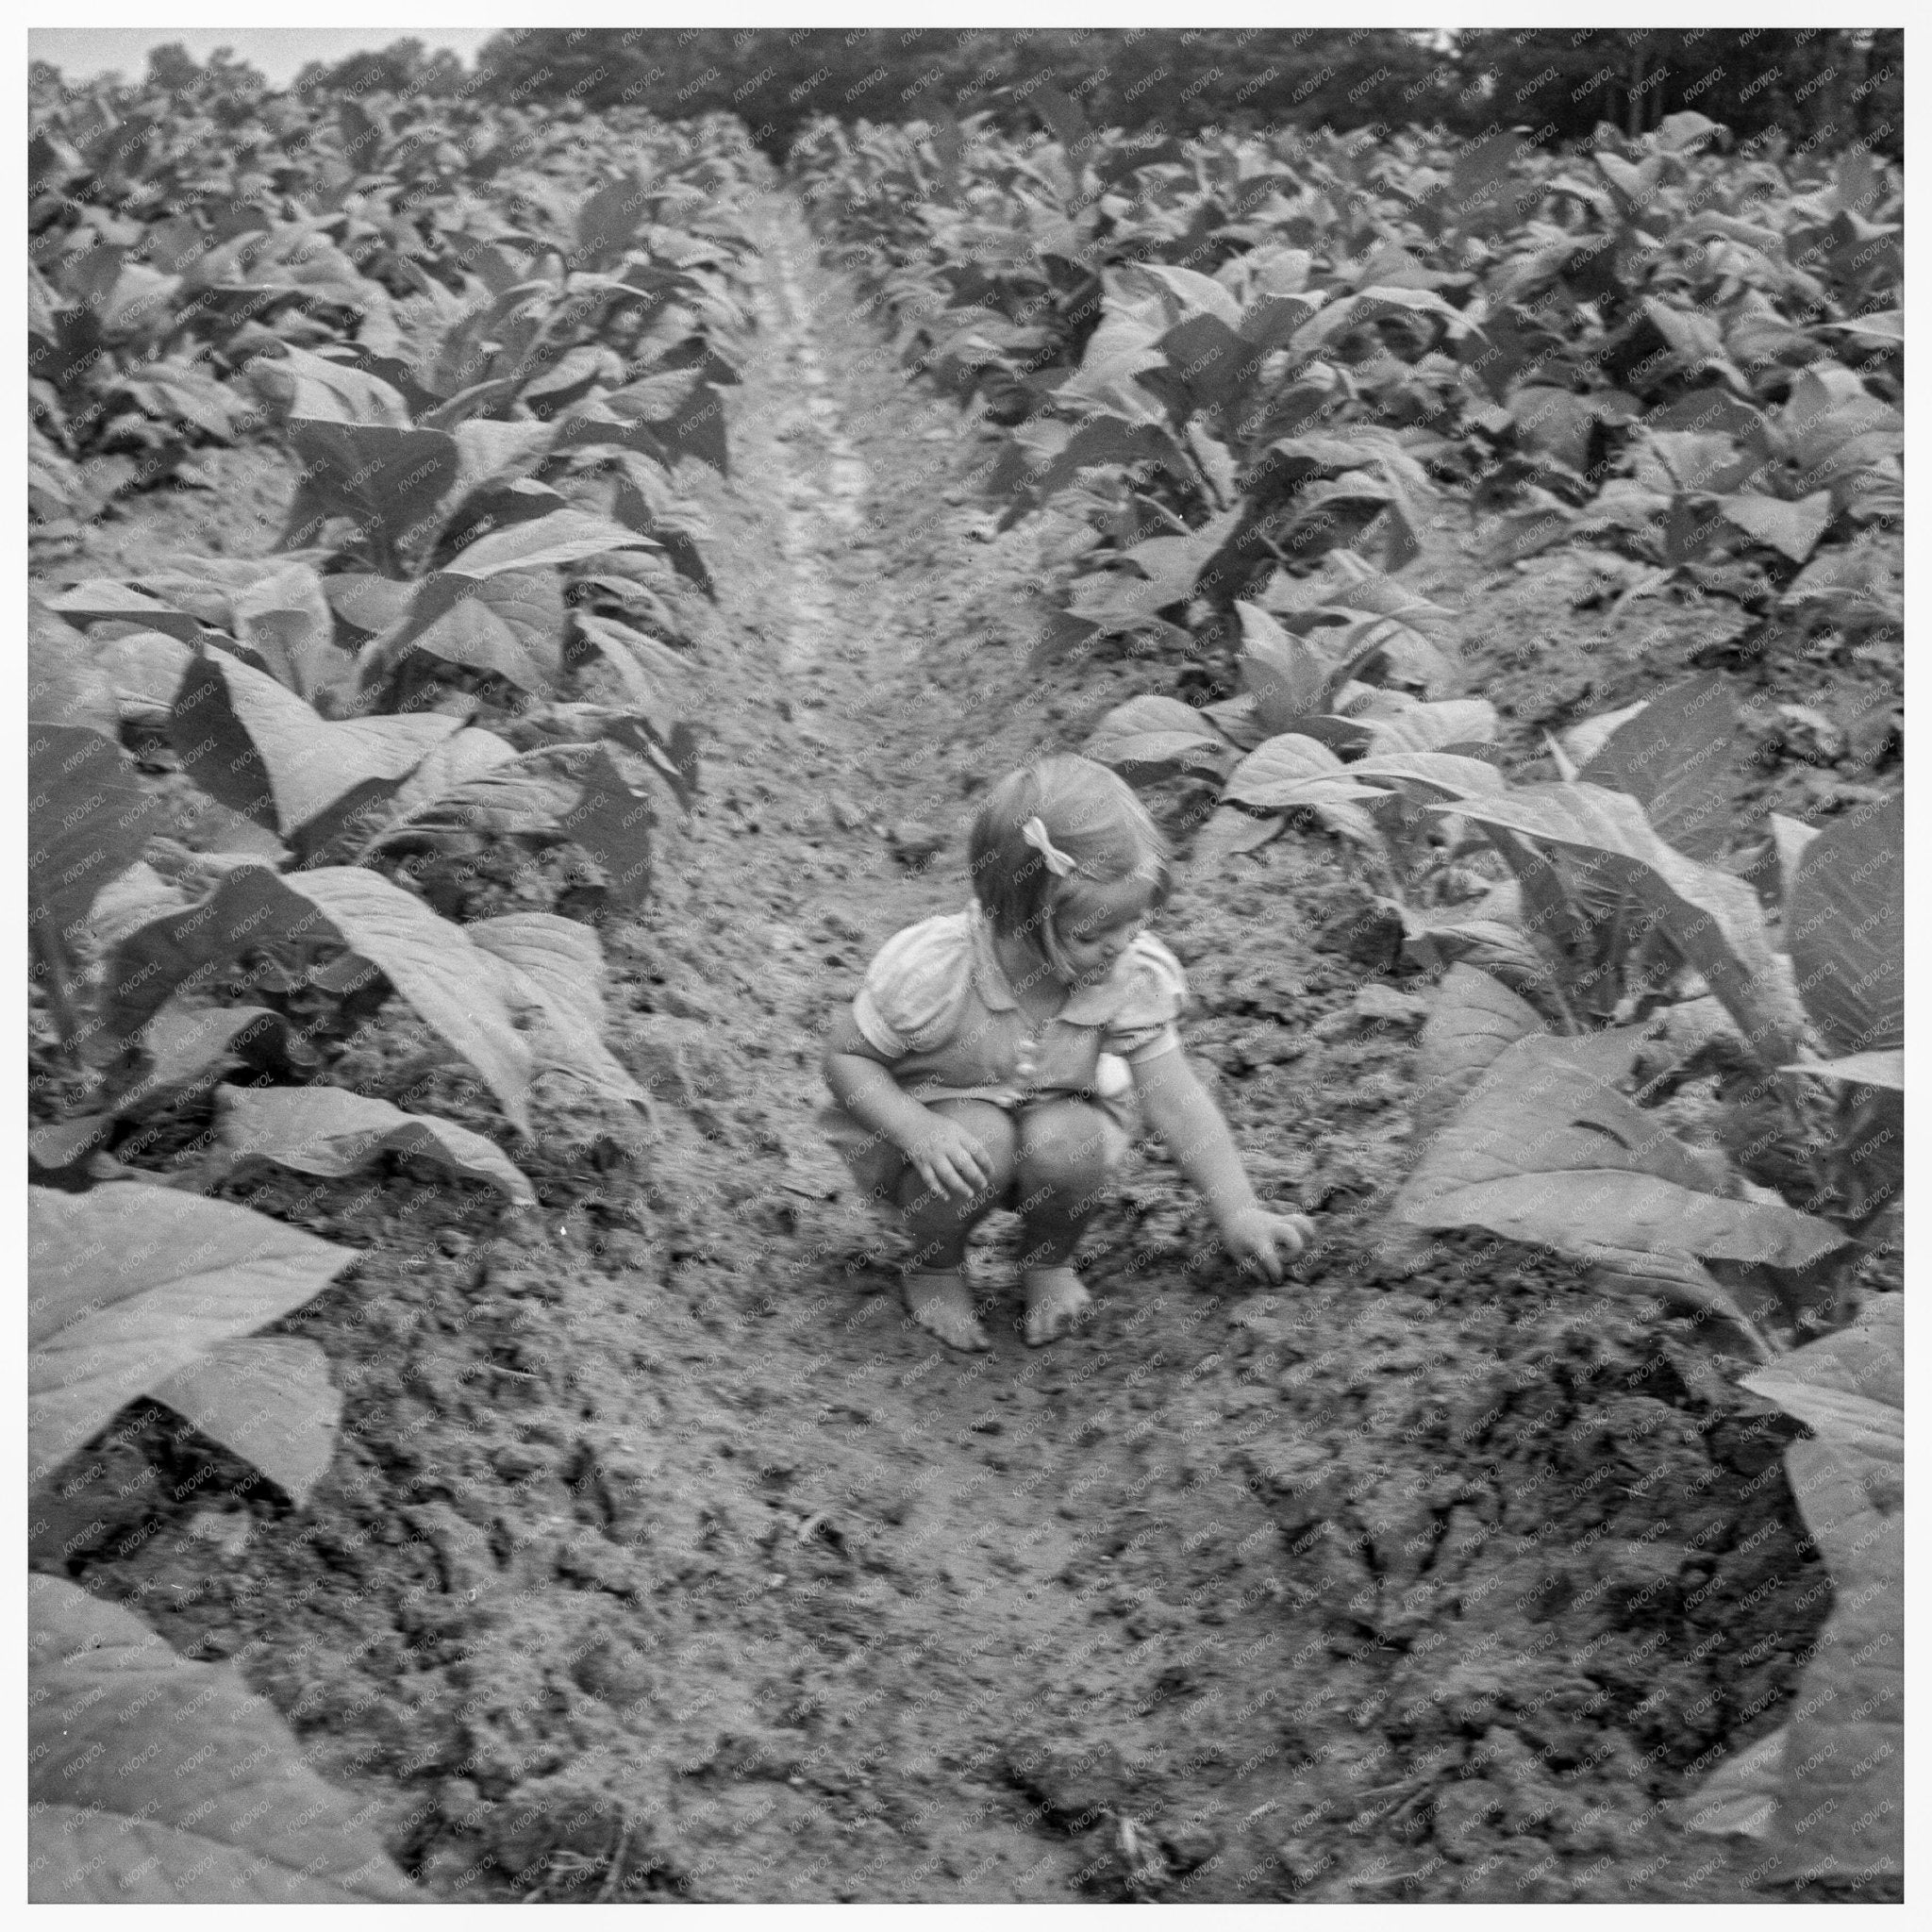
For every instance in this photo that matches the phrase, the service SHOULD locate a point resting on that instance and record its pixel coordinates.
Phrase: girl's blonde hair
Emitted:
(1089, 814)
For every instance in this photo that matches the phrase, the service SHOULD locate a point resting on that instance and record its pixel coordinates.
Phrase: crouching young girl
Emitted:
(988, 1059)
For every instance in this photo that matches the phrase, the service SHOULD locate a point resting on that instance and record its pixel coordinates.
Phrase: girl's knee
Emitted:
(1073, 1145)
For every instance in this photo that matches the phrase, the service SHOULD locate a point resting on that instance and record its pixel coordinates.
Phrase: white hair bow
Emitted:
(1037, 836)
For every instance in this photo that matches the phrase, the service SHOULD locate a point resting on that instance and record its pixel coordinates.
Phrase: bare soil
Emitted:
(662, 1557)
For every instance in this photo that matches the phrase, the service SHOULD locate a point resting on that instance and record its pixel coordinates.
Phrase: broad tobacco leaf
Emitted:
(1289, 677)
(555, 966)
(89, 819)
(1293, 770)
(385, 479)
(267, 1397)
(285, 621)
(1544, 1150)
(1473, 1018)
(1710, 916)
(67, 682)
(1793, 528)
(328, 1130)
(430, 962)
(466, 755)
(480, 623)
(1151, 738)
(262, 751)
(562, 537)
(1230, 832)
(1844, 923)
(131, 1282)
(1673, 755)
(155, 1780)
(1887, 1069)
(1831, 1797)
(1429, 729)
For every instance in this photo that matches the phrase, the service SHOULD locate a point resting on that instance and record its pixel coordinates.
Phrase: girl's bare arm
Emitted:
(1183, 1113)
(866, 1090)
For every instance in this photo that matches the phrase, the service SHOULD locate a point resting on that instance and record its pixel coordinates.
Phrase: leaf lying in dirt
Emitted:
(131, 1282)
(263, 752)
(1710, 916)
(557, 966)
(267, 1397)
(155, 1779)
(1846, 927)
(328, 1130)
(1671, 755)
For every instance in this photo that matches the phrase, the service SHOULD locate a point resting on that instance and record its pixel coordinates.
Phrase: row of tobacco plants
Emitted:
(1244, 370)
(393, 777)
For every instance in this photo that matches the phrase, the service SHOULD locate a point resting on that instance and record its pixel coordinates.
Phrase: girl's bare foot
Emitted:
(1056, 1301)
(939, 1300)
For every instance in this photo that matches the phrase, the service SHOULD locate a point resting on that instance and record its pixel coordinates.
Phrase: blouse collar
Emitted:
(1092, 1005)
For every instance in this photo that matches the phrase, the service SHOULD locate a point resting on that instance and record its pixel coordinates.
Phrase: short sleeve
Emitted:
(1156, 992)
(914, 986)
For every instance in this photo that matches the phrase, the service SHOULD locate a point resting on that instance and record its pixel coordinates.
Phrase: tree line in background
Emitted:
(1828, 86)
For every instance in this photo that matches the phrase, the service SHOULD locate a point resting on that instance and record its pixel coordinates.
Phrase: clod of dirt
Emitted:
(1074, 1789)
(1369, 932)
(915, 844)
(1385, 1003)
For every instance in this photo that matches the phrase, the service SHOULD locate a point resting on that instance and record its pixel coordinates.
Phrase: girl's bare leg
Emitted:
(937, 1296)
(1066, 1153)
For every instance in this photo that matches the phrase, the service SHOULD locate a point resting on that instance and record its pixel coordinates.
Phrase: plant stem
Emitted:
(59, 987)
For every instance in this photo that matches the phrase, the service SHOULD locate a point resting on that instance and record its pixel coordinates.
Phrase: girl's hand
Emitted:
(1258, 1237)
(949, 1161)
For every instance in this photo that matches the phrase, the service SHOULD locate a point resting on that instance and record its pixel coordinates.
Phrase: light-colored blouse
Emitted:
(938, 1002)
